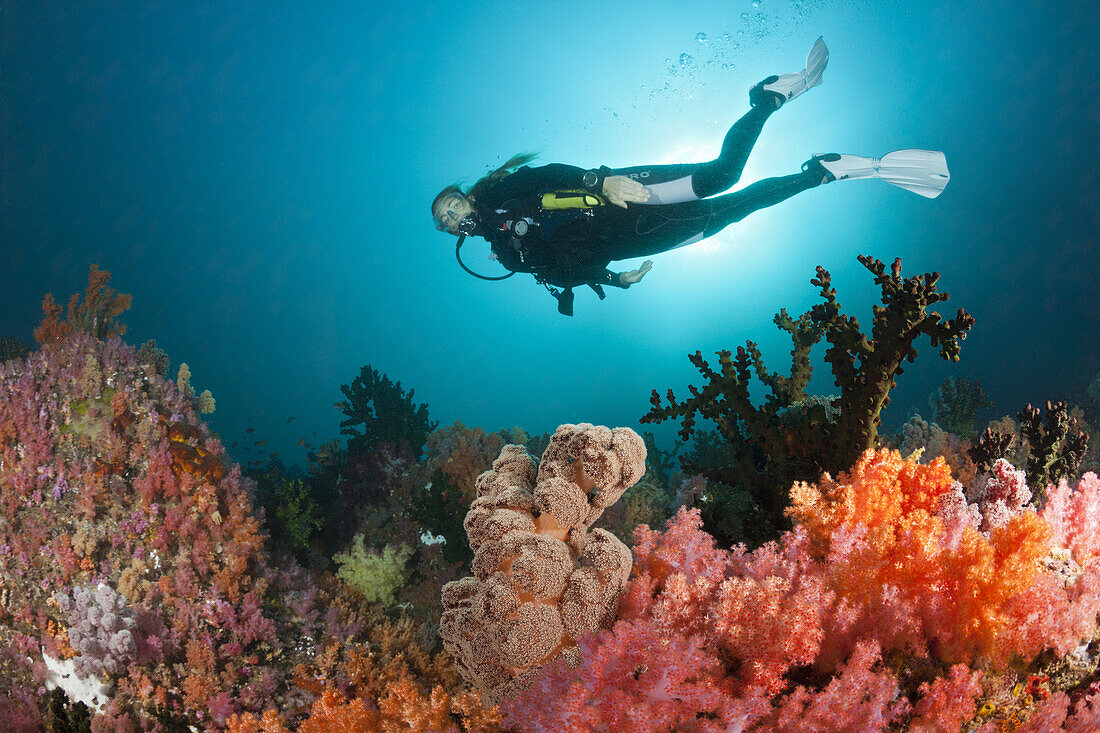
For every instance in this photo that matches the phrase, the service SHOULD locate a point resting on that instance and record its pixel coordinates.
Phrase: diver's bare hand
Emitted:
(630, 277)
(621, 189)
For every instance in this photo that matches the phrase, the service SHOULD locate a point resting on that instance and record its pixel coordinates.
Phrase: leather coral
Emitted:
(541, 578)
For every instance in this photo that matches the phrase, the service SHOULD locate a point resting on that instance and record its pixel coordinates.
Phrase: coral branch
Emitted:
(788, 438)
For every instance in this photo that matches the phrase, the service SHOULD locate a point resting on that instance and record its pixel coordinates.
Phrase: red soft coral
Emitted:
(864, 698)
(635, 678)
(947, 702)
(770, 618)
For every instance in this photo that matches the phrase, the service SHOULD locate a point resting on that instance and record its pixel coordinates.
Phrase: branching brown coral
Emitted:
(789, 438)
(95, 314)
(1055, 446)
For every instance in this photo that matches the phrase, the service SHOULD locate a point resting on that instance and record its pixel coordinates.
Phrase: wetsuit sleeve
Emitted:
(611, 278)
(527, 181)
(585, 276)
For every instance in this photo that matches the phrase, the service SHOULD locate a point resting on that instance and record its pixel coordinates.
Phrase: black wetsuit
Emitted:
(565, 248)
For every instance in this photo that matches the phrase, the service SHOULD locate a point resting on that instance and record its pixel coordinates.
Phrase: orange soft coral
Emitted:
(889, 551)
(880, 489)
(249, 723)
(334, 713)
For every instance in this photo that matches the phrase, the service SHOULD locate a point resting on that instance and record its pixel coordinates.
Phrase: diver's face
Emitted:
(451, 211)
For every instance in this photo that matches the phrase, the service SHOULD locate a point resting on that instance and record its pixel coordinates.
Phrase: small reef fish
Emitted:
(260, 442)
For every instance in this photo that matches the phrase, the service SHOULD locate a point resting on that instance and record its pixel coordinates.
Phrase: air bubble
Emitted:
(701, 37)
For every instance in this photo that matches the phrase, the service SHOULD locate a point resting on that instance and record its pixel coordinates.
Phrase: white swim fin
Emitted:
(788, 86)
(923, 172)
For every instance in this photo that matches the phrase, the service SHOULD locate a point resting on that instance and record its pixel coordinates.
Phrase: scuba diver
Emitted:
(565, 224)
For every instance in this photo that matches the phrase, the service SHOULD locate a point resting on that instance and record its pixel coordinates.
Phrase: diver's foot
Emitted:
(816, 165)
(786, 87)
(759, 97)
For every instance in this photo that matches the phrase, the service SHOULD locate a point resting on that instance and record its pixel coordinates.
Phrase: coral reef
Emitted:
(109, 479)
(130, 492)
(911, 591)
(384, 681)
(789, 438)
(390, 499)
(542, 580)
(887, 606)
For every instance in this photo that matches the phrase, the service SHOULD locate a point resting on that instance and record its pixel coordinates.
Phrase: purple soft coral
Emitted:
(100, 628)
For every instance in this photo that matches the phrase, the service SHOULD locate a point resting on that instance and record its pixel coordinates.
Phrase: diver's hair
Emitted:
(512, 163)
(484, 182)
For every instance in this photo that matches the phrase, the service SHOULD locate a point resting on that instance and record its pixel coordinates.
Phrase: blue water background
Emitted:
(258, 176)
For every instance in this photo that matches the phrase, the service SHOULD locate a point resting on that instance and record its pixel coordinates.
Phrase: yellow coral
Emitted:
(377, 576)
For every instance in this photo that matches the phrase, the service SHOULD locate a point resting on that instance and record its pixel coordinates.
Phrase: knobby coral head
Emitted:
(541, 578)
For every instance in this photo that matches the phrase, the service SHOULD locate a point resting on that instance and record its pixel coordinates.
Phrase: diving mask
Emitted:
(455, 214)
